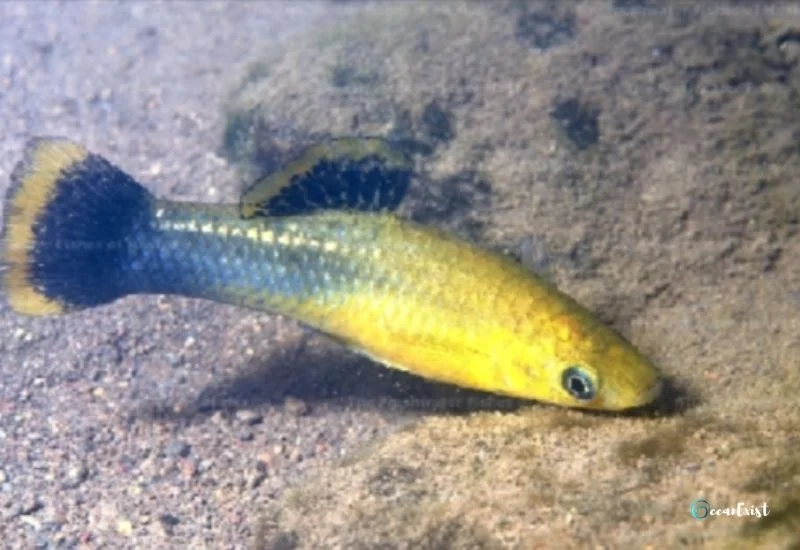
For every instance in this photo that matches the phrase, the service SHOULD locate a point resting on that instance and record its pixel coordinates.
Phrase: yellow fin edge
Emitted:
(33, 184)
(353, 148)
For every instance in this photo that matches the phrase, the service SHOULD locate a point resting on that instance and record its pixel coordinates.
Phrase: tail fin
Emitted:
(66, 217)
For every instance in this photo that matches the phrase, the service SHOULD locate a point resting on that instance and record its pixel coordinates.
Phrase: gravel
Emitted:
(111, 435)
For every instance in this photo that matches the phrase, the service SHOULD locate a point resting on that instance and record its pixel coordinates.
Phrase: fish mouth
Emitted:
(642, 399)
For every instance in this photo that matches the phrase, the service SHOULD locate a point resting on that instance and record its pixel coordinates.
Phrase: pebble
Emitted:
(34, 523)
(30, 504)
(218, 419)
(55, 521)
(267, 458)
(168, 523)
(76, 475)
(188, 467)
(124, 527)
(251, 418)
(791, 51)
(256, 478)
(295, 455)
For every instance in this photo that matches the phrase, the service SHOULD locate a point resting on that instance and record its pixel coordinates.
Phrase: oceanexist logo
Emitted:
(701, 509)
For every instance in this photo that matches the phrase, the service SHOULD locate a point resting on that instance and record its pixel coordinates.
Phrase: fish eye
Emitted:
(578, 383)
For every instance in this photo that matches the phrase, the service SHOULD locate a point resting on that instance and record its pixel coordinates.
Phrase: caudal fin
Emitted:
(66, 220)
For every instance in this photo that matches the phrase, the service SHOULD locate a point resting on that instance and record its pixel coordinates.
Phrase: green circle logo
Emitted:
(700, 508)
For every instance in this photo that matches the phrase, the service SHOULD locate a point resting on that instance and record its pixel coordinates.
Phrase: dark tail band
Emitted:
(67, 214)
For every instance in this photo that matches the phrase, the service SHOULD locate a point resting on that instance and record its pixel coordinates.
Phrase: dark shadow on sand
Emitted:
(319, 372)
(675, 400)
(322, 373)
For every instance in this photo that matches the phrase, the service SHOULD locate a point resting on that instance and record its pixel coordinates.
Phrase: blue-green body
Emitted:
(208, 251)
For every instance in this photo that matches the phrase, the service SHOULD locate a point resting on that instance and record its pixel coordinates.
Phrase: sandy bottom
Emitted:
(653, 156)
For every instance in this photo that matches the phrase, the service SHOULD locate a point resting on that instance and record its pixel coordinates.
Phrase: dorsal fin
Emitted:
(368, 174)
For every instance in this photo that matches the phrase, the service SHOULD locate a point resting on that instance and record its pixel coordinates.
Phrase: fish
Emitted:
(319, 241)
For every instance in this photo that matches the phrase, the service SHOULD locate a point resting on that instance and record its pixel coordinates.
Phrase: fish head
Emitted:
(591, 366)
